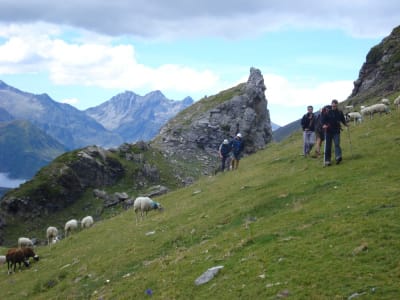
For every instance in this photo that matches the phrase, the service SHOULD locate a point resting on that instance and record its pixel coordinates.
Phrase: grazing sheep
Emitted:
(373, 109)
(355, 116)
(87, 222)
(24, 242)
(2, 259)
(144, 204)
(19, 255)
(349, 107)
(51, 234)
(70, 226)
(385, 101)
(396, 102)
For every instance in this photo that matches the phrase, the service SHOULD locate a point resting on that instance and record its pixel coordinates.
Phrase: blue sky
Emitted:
(85, 52)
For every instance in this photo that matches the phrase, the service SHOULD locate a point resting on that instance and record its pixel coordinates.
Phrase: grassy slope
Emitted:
(281, 223)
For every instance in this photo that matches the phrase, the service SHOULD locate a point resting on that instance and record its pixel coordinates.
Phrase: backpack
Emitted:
(325, 110)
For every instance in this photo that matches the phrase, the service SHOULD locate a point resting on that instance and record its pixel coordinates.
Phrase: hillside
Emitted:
(25, 149)
(185, 152)
(281, 226)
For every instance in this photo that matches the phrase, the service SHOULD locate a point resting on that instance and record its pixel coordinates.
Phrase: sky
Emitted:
(85, 52)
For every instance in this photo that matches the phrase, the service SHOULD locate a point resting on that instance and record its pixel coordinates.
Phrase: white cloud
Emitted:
(7, 182)
(98, 64)
(299, 93)
(71, 101)
(287, 100)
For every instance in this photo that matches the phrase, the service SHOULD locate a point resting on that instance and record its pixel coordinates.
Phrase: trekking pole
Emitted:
(351, 148)
(323, 162)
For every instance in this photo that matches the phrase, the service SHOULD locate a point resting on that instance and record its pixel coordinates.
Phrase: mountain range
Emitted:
(127, 117)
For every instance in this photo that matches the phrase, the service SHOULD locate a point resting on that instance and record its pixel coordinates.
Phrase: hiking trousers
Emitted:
(308, 141)
(224, 162)
(335, 137)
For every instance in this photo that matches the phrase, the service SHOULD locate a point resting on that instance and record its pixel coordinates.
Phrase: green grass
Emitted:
(281, 223)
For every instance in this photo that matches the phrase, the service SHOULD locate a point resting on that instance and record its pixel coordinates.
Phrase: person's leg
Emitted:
(328, 149)
(338, 150)
(305, 145)
(223, 159)
(311, 141)
(318, 145)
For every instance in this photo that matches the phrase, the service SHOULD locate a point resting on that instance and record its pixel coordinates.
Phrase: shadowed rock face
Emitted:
(245, 112)
(380, 72)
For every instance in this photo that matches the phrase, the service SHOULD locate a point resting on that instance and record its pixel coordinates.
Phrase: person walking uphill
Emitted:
(308, 125)
(237, 149)
(224, 151)
(331, 119)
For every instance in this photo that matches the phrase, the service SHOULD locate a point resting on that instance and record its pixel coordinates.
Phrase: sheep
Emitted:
(70, 226)
(396, 102)
(51, 234)
(375, 108)
(24, 242)
(355, 116)
(2, 259)
(385, 101)
(19, 255)
(144, 204)
(87, 222)
(349, 108)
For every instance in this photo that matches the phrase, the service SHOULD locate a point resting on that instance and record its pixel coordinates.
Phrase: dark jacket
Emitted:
(237, 146)
(308, 122)
(333, 118)
(225, 149)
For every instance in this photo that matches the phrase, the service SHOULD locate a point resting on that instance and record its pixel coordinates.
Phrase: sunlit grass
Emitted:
(280, 225)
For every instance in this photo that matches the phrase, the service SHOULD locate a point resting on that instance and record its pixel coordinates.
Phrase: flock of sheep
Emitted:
(24, 252)
(381, 107)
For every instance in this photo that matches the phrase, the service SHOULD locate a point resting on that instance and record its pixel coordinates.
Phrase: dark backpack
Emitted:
(325, 110)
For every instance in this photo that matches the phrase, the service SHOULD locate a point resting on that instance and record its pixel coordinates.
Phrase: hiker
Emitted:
(237, 149)
(319, 134)
(331, 119)
(308, 125)
(224, 151)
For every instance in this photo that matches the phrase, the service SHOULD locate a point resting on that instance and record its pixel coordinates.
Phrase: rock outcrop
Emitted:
(60, 184)
(379, 75)
(196, 133)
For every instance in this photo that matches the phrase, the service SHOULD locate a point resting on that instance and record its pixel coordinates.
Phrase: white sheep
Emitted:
(24, 242)
(144, 204)
(396, 102)
(349, 107)
(51, 234)
(355, 116)
(87, 222)
(385, 101)
(70, 226)
(2, 259)
(375, 108)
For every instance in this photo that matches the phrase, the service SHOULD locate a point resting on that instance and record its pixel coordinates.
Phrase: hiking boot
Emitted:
(338, 160)
(327, 164)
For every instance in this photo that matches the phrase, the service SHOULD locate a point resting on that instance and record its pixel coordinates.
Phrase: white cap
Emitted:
(226, 142)
(239, 135)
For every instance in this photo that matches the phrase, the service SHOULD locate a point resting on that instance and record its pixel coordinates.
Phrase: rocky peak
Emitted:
(380, 73)
(196, 133)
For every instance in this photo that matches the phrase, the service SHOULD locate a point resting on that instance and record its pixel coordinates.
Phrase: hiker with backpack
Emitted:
(224, 152)
(319, 134)
(308, 125)
(331, 118)
(237, 149)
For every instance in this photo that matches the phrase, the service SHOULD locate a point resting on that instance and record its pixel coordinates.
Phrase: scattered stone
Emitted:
(207, 275)
(361, 248)
(356, 295)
